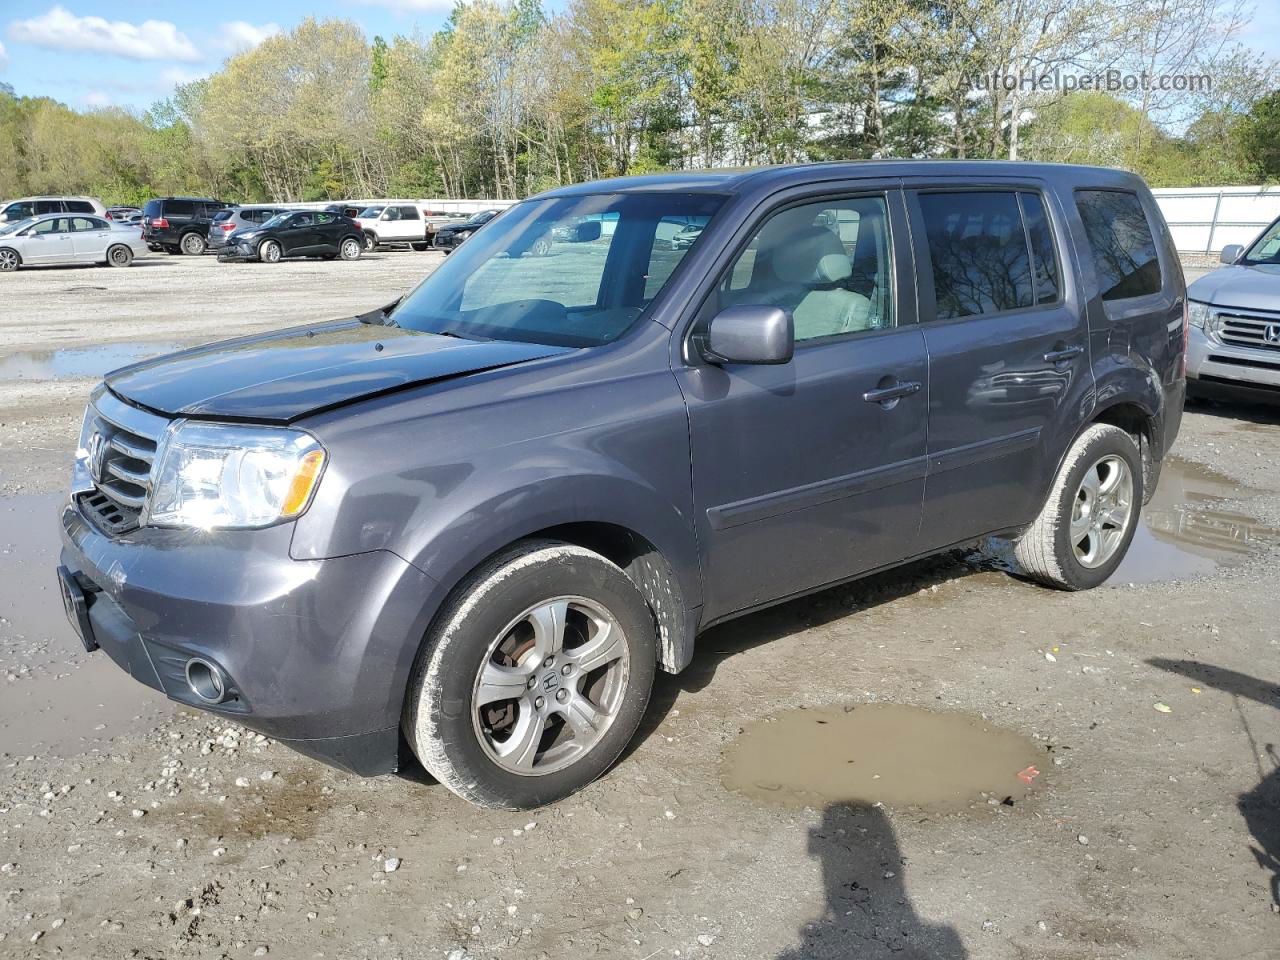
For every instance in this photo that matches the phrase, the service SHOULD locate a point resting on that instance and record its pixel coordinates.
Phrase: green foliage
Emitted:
(506, 100)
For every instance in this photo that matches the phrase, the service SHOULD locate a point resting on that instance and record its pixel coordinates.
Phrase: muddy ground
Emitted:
(1149, 710)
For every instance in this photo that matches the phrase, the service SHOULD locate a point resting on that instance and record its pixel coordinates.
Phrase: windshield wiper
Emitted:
(381, 314)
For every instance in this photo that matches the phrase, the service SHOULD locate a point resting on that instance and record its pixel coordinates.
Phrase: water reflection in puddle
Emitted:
(61, 701)
(1184, 533)
(75, 362)
(888, 753)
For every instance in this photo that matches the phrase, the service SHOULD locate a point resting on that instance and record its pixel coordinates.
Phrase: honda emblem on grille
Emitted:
(97, 459)
(1272, 334)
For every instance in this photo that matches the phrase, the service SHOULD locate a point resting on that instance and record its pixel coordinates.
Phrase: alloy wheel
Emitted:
(1101, 511)
(350, 249)
(270, 252)
(8, 260)
(550, 686)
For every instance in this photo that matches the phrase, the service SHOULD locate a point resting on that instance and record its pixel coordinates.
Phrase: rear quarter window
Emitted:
(1121, 242)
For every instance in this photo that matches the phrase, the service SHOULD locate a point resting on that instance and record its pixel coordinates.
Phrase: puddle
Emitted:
(862, 754)
(75, 362)
(1184, 533)
(61, 701)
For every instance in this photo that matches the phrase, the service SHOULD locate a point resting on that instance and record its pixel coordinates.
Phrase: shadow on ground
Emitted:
(867, 914)
(1260, 807)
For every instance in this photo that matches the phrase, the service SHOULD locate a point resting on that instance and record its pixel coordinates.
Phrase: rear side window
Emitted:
(1124, 251)
(979, 251)
(179, 208)
(409, 213)
(87, 224)
(79, 206)
(1044, 257)
(324, 218)
(48, 206)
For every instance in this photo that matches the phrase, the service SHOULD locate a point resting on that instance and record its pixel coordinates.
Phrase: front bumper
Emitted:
(317, 652)
(237, 251)
(447, 241)
(1212, 362)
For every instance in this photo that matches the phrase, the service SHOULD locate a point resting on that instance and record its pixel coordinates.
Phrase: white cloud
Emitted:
(60, 29)
(240, 35)
(96, 99)
(176, 76)
(414, 6)
(4, 57)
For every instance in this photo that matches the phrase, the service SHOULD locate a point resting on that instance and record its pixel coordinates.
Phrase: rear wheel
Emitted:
(541, 247)
(534, 678)
(193, 245)
(269, 252)
(1088, 522)
(119, 256)
(420, 246)
(350, 249)
(9, 260)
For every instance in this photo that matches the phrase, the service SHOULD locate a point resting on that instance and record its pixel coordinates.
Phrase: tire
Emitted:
(269, 251)
(193, 245)
(10, 260)
(1084, 529)
(173, 251)
(488, 622)
(370, 242)
(350, 249)
(541, 247)
(118, 255)
(420, 246)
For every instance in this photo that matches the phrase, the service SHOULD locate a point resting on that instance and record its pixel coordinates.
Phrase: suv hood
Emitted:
(1255, 287)
(279, 377)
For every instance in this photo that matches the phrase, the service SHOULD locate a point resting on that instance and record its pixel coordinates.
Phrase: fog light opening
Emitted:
(206, 681)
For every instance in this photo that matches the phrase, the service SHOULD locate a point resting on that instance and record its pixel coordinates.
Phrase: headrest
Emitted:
(812, 255)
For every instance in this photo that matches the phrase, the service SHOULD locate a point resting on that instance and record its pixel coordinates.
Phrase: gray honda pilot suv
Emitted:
(474, 523)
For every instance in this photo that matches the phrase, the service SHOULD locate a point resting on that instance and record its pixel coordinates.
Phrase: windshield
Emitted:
(568, 271)
(1266, 249)
(370, 212)
(15, 227)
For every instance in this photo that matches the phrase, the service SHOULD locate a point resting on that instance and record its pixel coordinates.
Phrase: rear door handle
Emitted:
(886, 395)
(1057, 356)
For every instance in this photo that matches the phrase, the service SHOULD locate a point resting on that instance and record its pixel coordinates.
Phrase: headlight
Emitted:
(212, 475)
(1200, 314)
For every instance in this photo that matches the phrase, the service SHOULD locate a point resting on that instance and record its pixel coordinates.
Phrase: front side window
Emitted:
(828, 263)
(392, 213)
(566, 271)
(301, 220)
(52, 225)
(979, 253)
(1266, 249)
(24, 210)
(1124, 251)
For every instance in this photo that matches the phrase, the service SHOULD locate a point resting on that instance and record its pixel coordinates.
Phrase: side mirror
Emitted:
(751, 334)
(586, 231)
(1231, 253)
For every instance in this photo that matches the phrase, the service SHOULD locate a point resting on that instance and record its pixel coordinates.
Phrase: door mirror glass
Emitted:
(586, 231)
(751, 334)
(1231, 253)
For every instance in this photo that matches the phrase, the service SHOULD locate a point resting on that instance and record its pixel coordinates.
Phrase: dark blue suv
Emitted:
(474, 523)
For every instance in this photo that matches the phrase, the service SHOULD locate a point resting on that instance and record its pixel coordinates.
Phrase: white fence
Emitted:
(454, 208)
(1206, 219)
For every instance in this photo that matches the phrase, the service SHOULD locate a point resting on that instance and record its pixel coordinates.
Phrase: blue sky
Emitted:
(65, 49)
(89, 54)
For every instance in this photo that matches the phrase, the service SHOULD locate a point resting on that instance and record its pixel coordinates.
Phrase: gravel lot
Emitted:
(1151, 707)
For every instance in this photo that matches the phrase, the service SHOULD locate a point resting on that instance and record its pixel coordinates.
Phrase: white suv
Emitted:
(16, 210)
(393, 223)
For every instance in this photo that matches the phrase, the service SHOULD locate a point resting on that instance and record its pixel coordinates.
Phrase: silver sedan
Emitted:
(68, 238)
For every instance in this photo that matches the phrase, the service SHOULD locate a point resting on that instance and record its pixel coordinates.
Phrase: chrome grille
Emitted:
(1242, 328)
(121, 445)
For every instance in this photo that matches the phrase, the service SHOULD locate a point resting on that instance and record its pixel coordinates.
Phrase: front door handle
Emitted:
(1066, 353)
(889, 395)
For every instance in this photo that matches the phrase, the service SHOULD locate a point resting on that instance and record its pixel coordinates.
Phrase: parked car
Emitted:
(450, 236)
(344, 210)
(47, 240)
(124, 214)
(228, 221)
(482, 517)
(1234, 346)
(28, 207)
(179, 224)
(686, 235)
(393, 223)
(296, 233)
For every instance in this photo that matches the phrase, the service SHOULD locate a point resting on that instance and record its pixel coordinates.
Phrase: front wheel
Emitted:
(1088, 522)
(9, 260)
(370, 242)
(541, 247)
(350, 249)
(534, 677)
(269, 252)
(119, 256)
